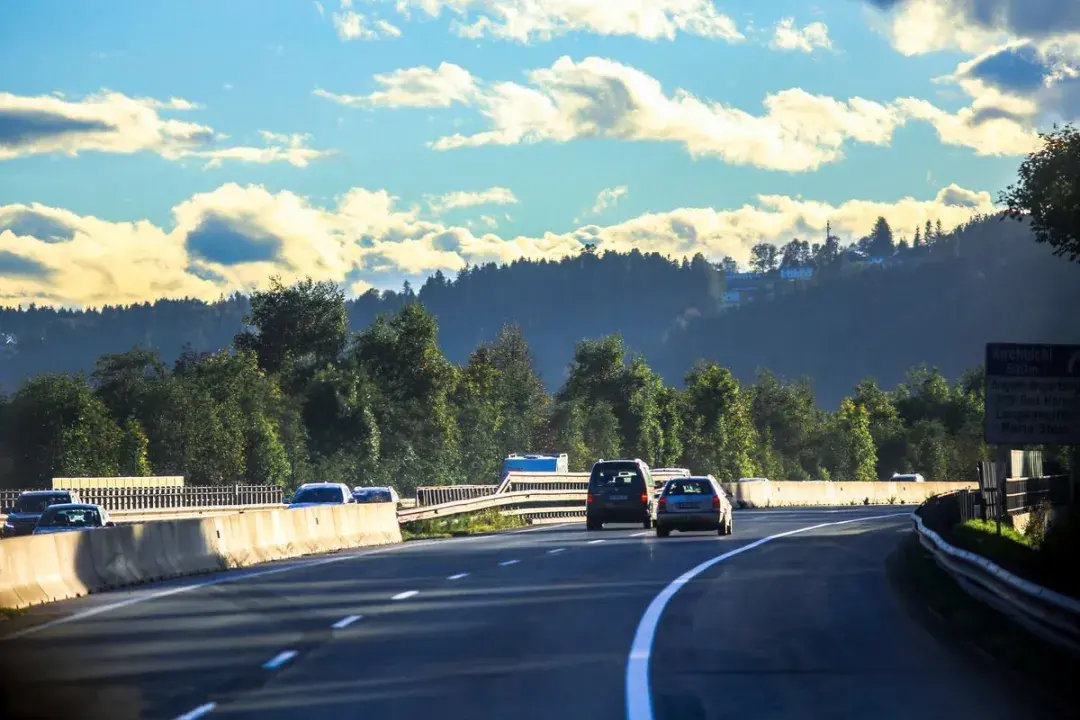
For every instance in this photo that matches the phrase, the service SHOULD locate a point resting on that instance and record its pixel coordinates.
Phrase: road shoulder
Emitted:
(1038, 673)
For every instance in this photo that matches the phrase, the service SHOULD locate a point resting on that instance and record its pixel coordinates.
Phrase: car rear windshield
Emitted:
(70, 517)
(688, 487)
(372, 496)
(616, 475)
(318, 495)
(34, 504)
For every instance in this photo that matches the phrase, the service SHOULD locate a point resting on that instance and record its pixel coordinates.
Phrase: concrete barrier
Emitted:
(44, 568)
(813, 493)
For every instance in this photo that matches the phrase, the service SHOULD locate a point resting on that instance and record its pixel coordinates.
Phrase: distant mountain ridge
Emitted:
(989, 282)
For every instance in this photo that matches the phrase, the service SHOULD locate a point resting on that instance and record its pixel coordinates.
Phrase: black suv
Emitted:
(22, 519)
(618, 492)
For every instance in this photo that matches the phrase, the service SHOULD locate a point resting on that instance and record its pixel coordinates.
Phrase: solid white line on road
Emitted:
(198, 712)
(643, 532)
(638, 694)
(405, 595)
(458, 576)
(595, 542)
(346, 622)
(504, 563)
(556, 550)
(280, 659)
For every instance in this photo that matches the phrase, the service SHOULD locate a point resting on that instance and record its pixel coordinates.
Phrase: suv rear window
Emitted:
(688, 487)
(616, 475)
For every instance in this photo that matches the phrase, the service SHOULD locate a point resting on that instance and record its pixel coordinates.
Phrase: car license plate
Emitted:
(617, 498)
(686, 506)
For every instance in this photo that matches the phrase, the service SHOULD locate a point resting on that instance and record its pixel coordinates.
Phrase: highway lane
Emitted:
(530, 625)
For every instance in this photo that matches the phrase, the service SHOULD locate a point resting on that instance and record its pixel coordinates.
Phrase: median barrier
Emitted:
(43, 568)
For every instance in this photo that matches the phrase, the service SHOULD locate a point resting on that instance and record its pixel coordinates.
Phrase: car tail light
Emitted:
(715, 502)
(661, 504)
(588, 498)
(645, 498)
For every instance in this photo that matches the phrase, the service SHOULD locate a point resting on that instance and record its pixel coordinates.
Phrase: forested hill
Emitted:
(987, 281)
(990, 283)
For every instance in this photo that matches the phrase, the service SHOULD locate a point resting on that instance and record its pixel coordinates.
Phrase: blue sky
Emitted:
(216, 135)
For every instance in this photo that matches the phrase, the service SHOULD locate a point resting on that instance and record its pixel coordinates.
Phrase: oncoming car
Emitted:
(693, 503)
(70, 517)
(375, 495)
(618, 492)
(315, 494)
(24, 516)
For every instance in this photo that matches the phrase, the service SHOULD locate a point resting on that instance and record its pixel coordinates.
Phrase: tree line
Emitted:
(298, 398)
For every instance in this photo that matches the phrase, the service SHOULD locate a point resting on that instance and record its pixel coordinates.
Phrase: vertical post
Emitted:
(1001, 463)
(1074, 476)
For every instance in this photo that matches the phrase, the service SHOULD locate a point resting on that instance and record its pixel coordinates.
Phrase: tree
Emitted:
(763, 257)
(304, 325)
(918, 242)
(880, 244)
(850, 445)
(480, 415)
(134, 451)
(928, 235)
(58, 428)
(1048, 192)
(419, 435)
(729, 266)
(519, 387)
(796, 254)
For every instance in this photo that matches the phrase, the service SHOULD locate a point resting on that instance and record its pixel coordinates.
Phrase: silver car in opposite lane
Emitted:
(693, 503)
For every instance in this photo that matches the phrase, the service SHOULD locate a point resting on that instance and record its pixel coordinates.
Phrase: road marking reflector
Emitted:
(405, 595)
(280, 659)
(346, 622)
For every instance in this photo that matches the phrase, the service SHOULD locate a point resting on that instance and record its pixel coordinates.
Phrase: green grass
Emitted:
(1047, 565)
(972, 627)
(487, 521)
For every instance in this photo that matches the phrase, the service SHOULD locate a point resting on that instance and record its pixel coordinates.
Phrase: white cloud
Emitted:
(112, 122)
(465, 199)
(109, 122)
(609, 198)
(418, 87)
(292, 149)
(787, 36)
(489, 221)
(235, 237)
(1025, 56)
(355, 26)
(601, 98)
(528, 21)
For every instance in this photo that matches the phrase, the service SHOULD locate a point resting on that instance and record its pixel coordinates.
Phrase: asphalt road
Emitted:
(553, 622)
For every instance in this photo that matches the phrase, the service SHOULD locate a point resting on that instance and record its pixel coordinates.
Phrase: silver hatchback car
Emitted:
(693, 503)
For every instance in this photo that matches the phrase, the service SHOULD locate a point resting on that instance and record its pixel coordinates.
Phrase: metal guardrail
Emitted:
(540, 500)
(155, 498)
(1048, 614)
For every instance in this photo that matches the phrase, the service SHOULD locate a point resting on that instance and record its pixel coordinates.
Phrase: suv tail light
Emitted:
(588, 498)
(661, 503)
(715, 502)
(645, 498)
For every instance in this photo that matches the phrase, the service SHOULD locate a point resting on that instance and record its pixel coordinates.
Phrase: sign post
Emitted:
(1033, 396)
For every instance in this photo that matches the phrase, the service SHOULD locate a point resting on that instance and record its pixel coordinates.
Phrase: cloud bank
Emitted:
(235, 237)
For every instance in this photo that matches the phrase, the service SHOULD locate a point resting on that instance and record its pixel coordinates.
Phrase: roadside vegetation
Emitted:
(1043, 554)
(297, 398)
(486, 521)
